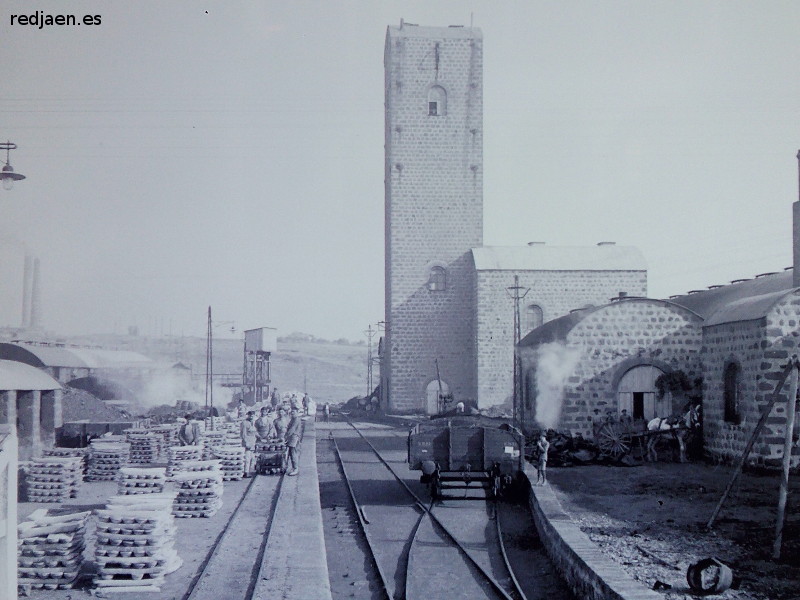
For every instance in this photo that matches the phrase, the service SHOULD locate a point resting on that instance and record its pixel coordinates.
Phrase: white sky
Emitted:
(178, 159)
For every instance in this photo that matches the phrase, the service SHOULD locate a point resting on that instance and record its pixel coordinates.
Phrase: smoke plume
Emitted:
(554, 364)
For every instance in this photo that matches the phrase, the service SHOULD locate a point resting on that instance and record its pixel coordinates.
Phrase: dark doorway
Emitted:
(638, 405)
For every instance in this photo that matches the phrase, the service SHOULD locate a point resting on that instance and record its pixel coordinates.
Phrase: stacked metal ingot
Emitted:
(180, 454)
(271, 457)
(210, 440)
(105, 459)
(233, 433)
(82, 453)
(169, 435)
(54, 478)
(137, 480)
(135, 546)
(145, 446)
(200, 489)
(50, 550)
(218, 423)
(231, 459)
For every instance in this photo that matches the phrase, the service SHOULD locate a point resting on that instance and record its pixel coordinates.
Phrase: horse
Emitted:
(679, 429)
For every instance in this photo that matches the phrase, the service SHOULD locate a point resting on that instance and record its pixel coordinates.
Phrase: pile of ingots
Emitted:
(180, 454)
(200, 489)
(50, 550)
(82, 453)
(136, 543)
(233, 433)
(105, 459)
(232, 461)
(145, 446)
(54, 478)
(137, 480)
(168, 433)
(214, 423)
(212, 439)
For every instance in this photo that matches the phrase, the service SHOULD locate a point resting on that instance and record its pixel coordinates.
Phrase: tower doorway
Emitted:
(432, 396)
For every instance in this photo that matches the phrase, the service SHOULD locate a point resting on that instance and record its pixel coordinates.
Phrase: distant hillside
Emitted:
(329, 371)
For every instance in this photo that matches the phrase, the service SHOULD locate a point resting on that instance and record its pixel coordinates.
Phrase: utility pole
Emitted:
(783, 492)
(517, 293)
(209, 372)
(370, 333)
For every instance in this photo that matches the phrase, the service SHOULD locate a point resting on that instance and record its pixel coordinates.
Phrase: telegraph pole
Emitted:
(370, 333)
(517, 293)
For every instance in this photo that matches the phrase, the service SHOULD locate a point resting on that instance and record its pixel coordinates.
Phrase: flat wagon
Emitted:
(455, 452)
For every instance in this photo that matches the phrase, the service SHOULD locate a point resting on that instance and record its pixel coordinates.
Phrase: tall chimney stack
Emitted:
(36, 301)
(796, 231)
(26, 292)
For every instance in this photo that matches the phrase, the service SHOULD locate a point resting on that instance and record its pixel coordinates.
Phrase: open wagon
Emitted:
(455, 452)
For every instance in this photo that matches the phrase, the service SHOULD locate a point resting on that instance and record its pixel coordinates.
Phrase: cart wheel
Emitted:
(613, 440)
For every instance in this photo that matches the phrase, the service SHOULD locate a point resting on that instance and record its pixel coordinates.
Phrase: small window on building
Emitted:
(731, 393)
(437, 101)
(534, 316)
(437, 280)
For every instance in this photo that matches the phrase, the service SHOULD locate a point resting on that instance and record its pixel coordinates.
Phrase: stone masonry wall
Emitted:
(434, 208)
(611, 340)
(762, 348)
(556, 292)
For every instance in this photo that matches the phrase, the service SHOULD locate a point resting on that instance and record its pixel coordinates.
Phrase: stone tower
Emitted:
(434, 212)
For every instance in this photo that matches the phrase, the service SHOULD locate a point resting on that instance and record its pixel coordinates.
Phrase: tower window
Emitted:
(534, 316)
(437, 280)
(437, 101)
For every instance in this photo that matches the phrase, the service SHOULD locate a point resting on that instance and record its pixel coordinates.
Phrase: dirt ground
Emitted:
(651, 520)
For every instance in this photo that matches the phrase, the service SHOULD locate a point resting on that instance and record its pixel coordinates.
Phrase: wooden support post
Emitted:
(787, 460)
(759, 426)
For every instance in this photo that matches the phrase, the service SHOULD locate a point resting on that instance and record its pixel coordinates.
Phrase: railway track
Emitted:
(416, 553)
(231, 567)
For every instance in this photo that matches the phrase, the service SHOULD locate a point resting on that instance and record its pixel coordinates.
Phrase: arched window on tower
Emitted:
(534, 316)
(437, 279)
(437, 101)
(731, 393)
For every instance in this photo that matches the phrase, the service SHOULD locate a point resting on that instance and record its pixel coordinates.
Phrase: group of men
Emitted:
(285, 427)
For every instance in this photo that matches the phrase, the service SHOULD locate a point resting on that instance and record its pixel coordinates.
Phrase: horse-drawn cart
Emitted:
(617, 440)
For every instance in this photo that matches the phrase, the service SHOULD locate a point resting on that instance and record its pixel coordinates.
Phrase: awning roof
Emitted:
(73, 357)
(18, 376)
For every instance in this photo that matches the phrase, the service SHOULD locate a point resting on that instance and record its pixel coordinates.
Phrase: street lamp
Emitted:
(7, 175)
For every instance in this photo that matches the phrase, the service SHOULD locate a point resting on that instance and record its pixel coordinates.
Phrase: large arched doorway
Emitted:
(637, 394)
(432, 396)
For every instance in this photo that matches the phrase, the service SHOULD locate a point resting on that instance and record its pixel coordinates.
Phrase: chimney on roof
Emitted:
(796, 231)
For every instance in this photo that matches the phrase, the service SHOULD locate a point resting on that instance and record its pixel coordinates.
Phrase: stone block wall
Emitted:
(609, 341)
(433, 207)
(761, 348)
(556, 292)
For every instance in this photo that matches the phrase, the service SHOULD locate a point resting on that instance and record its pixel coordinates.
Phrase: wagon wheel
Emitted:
(614, 440)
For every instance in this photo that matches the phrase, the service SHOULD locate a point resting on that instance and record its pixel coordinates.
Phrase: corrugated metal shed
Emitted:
(18, 376)
(541, 257)
(41, 356)
(66, 356)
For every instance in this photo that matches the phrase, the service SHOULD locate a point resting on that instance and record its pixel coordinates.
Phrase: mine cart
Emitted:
(457, 452)
(271, 457)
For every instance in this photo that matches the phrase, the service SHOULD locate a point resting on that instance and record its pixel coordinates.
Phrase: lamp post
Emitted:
(7, 175)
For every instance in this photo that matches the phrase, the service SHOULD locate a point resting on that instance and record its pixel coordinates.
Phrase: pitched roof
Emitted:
(541, 257)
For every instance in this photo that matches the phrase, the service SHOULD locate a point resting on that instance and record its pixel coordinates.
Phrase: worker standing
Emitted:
(249, 434)
(293, 435)
(189, 432)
